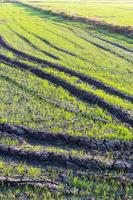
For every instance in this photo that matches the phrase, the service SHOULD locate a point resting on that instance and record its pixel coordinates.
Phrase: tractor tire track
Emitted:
(46, 42)
(85, 78)
(113, 43)
(50, 31)
(67, 161)
(103, 47)
(82, 142)
(98, 37)
(52, 45)
(69, 108)
(83, 95)
(57, 48)
(32, 45)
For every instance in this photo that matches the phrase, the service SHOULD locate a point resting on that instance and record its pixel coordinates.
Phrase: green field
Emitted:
(66, 103)
(114, 11)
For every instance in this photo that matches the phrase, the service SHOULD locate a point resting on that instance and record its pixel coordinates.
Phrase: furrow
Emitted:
(79, 93)
(113, 43)
(85, 78)
(56, 159)
(32, 45)
(85, 143)
(52, 45)
(50, 31)
(98, 37)
(103, 47)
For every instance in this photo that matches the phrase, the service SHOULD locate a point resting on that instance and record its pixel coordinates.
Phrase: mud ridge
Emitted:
(68, 140)
(85, 78)
(20, 181)
(67, 161)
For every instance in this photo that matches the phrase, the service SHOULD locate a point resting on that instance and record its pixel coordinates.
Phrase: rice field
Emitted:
(66, 106)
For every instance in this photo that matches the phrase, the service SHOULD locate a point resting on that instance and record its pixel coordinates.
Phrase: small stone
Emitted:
(130, 176)
(114, 144)
(122, 165)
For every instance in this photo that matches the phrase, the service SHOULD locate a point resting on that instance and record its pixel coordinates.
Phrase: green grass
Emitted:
(101, 188)
(114, 12)
(21, 105)
(28, 100)
(107, 67)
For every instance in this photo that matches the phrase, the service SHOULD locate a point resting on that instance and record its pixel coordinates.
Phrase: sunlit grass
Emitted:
(115, 12)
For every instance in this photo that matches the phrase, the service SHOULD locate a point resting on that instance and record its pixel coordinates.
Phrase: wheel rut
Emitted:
(71, 141)
(32, 45)
(79, 93)
(67, 161)
(85, 78)
(104, 48)
(96, 167)
(113, 43)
